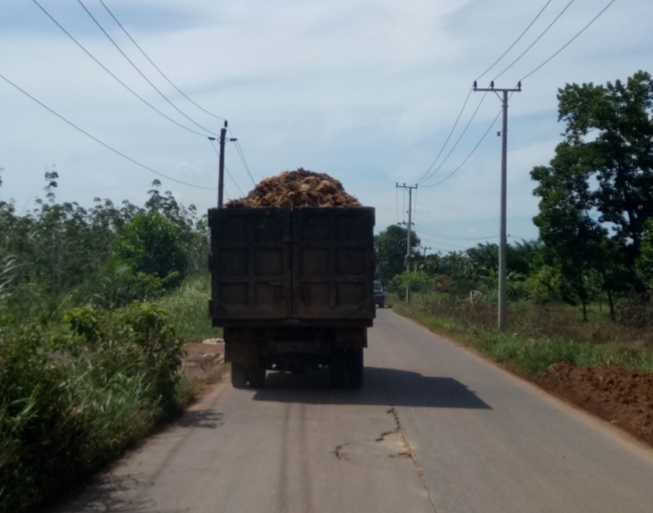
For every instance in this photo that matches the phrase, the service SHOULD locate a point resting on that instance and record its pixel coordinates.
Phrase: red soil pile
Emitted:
(297, 189)
(621, 396)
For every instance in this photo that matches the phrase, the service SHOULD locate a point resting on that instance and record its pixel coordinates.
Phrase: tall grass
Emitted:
(537, 336)
(188, 309)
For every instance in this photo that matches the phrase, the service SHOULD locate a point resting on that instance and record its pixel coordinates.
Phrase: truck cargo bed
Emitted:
(305, 266)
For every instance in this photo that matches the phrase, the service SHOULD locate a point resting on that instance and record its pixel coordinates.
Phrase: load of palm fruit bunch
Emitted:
(296, 189)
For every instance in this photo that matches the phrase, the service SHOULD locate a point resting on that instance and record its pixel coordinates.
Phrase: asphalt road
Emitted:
(435, 429)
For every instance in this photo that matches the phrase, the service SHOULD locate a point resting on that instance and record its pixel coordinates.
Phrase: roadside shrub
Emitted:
(74, 397)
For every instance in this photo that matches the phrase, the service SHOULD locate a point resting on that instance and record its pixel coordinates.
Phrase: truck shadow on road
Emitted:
(382, 387)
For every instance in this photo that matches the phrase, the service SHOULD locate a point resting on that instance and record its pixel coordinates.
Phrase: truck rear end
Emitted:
(292, 289)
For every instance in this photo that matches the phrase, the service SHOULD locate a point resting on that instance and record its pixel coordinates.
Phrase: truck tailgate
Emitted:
(309, 264)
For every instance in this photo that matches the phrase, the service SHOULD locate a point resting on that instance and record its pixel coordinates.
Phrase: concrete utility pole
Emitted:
(425, 251)
(410, 224)
(504, 172)
(223, 138)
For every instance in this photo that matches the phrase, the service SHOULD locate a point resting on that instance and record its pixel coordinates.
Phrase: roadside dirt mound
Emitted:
(621, 396)
(297, 189)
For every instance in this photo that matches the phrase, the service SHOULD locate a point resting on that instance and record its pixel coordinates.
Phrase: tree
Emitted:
(150, 244)
(598, 190)
(571, 236)
(390, 250)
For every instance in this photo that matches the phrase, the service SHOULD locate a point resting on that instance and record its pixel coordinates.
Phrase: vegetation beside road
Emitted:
(188, 309)
(595, 218)
(538, 337)
(600, 366)
(95, 304)
(580, 318)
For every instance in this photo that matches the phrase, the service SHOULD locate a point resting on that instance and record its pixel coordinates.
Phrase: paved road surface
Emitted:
(436, 429)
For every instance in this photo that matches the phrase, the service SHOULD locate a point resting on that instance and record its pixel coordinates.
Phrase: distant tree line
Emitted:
(108, 254)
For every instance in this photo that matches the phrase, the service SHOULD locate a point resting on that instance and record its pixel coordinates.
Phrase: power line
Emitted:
(449, 136)
(156, 67)
(234, 181)
(141, 73)
(470, 154)
(458, 141)
(114, 76)
(241, 154)
(454, 237)
(439, 242)
(534, 42)
(516, 40)
(570, 41)
(471, 90)
(99, 141)
(239, 148)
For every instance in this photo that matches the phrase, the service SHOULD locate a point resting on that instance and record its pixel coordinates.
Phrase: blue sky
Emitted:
(366, 91)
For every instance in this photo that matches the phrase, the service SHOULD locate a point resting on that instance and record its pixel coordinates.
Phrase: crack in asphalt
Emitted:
(410, 453)
(340, 454)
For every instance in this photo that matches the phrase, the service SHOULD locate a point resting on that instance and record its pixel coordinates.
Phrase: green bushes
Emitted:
(74, 396)
(84, 370)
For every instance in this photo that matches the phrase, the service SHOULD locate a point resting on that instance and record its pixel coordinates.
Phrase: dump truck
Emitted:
(292, 289)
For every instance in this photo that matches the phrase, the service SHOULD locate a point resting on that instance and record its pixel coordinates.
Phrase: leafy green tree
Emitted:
(485, 258)
(150, 244)
(462, 270)
(523, 256)
(193, 232)
(572, 237)
(417, 281)
(598, 190)
(618, 153)
(390, 250)
(543, 284)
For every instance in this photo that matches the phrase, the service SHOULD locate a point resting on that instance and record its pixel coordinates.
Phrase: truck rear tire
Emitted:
(256, 376)
(238, 375)
(355, 368)
(338, 369)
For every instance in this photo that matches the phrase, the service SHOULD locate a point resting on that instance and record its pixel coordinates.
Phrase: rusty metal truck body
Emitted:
(292, 289)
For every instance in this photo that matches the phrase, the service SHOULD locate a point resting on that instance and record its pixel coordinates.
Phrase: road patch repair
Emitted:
(393, 443)
(623, 397)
